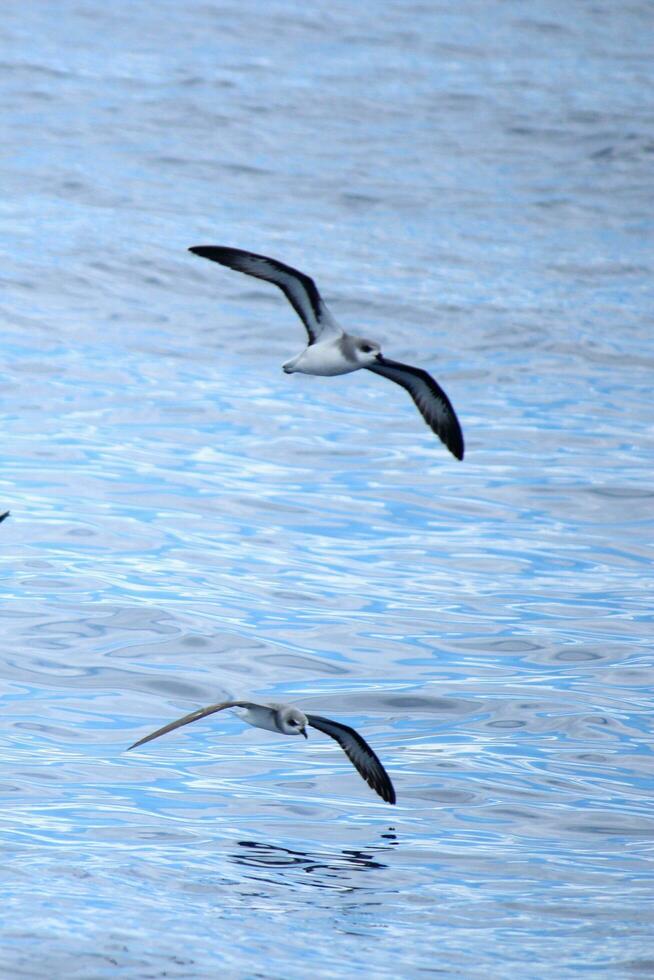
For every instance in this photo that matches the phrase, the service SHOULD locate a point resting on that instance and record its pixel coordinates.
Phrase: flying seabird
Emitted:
(331, 351)
(287, 720)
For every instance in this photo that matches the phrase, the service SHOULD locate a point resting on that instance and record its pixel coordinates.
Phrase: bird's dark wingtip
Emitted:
(383, 786)
(4, 516)
(454, 442)
(455, 446)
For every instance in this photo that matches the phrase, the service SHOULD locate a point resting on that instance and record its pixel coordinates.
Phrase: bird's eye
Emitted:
(366, 348)
(292, 722)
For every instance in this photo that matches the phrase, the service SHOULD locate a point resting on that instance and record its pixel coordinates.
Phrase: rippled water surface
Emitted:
(471, 184)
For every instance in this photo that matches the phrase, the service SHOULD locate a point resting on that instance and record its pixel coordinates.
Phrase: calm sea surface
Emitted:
(472, 184)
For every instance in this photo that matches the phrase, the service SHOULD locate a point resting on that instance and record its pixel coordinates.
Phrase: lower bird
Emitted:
(287, 720)
(331, 351)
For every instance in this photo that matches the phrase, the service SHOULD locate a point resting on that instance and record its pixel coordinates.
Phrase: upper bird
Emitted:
(287, 720)
(331, 351)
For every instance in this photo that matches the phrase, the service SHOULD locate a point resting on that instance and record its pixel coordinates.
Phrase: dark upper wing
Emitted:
(299, 290)
(187, 719)
(431, 401)
(359, 753)
(4, 516)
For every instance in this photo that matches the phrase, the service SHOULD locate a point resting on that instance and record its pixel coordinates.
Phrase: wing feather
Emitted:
(300, 290)
(430, 399)
(187, 719)
(359, 753)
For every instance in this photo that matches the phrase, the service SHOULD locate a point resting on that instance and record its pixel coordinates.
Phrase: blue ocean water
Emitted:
(471, 184)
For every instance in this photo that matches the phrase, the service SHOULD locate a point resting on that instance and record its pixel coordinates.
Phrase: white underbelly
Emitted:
(324, 360)
(259, 718)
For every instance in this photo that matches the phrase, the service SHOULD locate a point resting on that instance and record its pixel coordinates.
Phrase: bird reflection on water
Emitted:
(322, 869)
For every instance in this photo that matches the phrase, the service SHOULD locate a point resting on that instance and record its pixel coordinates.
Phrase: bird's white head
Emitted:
(293, 722)
(366, 352)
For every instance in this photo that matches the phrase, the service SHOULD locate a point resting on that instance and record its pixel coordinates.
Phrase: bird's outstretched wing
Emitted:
(359, 753)
(300, 290)
(431, 401)
(187, 719)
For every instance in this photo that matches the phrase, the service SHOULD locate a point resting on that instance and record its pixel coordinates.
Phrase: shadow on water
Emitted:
(316, 868)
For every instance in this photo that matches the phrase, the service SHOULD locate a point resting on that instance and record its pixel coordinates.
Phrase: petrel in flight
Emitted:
(331, 351)
(287, 720)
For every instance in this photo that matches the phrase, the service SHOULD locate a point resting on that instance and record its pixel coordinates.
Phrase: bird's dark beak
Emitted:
(304, 732)
(379, 357)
